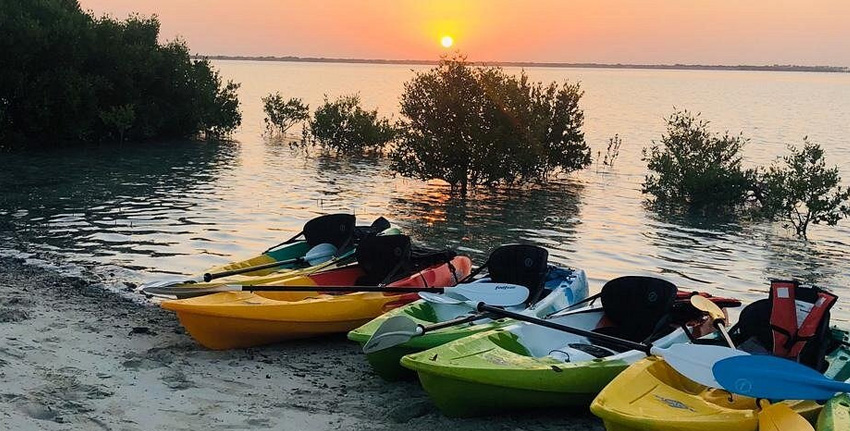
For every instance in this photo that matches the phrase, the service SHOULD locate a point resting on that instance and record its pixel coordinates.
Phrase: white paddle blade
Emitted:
(167, 283)
(437, 298)
(695, 361)
(394, 331)
(320, 254)
(496, 294)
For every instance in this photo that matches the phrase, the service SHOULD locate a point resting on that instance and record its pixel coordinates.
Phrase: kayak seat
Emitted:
(381, 258)
(523, 264)
(637, 308)
(336, 229)
(387, 258)
(753, 333)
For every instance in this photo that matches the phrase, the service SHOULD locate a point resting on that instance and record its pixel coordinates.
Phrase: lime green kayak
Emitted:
(564, 286)
(835, 415)
(522, 366)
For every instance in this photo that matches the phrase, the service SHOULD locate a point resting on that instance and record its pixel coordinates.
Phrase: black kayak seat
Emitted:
(382, 258)
(637, 306)
(336, 229)
(523, 264)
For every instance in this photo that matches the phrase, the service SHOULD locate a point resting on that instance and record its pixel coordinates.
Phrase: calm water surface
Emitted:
(138, 213)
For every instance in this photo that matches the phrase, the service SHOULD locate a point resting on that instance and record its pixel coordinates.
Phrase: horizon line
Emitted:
(585, 65)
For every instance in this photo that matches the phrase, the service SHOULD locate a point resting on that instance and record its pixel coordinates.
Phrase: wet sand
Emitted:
(74, 355)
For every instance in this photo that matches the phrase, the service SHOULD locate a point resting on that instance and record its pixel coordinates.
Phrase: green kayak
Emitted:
(563, 287)
(524, 366)
(835, 415)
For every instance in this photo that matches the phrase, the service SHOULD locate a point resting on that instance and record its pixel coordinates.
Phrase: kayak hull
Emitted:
(835, 415)
(230, 320)
(650, 395)
(494, 372)
(567, 286)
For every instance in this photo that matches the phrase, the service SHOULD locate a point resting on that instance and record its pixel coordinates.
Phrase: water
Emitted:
(138, 213)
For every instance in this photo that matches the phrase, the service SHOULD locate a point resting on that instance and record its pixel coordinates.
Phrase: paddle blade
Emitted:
(320, 253)
(695, 361)
(497, 294)
(393, 332)
(780, 417)
(763, 376)
(437, 298)
(702, 303)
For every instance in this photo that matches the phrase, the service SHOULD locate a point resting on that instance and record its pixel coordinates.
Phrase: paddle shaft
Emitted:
(212, 276)
(453, 322)
(548, 324)
(346, 289)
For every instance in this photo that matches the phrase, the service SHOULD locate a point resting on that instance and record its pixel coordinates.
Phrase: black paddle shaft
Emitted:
(453, 322)
(212, 276)
(548, 324)
(342, 289)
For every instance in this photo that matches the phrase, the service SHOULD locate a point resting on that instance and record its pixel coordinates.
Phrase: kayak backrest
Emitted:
(636, 306)
(753, 331)
(382, 258)
(336, 229)
(522, 264)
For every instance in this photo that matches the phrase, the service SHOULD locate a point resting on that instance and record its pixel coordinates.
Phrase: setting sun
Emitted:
(447, 41)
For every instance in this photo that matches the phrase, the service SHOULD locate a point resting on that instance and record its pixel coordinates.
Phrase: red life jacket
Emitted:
(792, 322)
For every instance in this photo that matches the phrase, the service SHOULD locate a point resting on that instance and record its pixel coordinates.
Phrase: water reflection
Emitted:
(548, 216)
(116, 202)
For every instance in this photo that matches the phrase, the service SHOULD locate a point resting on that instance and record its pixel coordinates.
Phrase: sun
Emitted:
(447, 41)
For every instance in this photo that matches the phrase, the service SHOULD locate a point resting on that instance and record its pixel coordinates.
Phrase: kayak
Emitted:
(835, 415)
(563, 286)
(292, 252)
(230, 320)
(525, 366)
(650, 395)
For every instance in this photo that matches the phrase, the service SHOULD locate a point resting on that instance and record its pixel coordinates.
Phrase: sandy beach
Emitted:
(74, 355)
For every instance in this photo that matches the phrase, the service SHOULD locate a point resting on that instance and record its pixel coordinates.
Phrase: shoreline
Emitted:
(524, 64)
(75, 355)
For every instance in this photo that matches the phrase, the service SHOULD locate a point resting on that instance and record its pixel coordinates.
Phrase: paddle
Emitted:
(780, 417)
(715, 313)
(316, 255)
(765, 376)
(497, 292)
(692, 361)
(399, 329)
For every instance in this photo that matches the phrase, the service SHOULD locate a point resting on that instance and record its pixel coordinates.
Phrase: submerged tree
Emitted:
(472, 126)
(68, 77)
(282, 114)
(803, 190)
(344, 126)
(693, 168)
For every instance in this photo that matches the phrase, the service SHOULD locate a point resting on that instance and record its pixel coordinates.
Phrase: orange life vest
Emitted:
(792, 323)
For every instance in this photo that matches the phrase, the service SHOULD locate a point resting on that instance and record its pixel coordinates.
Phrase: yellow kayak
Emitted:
(229, 320)
(651, 396)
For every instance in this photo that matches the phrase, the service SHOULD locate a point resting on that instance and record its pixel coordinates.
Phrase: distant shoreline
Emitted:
(772, 68)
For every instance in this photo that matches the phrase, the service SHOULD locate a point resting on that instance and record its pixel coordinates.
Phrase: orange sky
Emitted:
(812, 32)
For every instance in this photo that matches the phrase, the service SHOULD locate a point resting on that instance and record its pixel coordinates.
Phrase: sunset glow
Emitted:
(605, 31)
